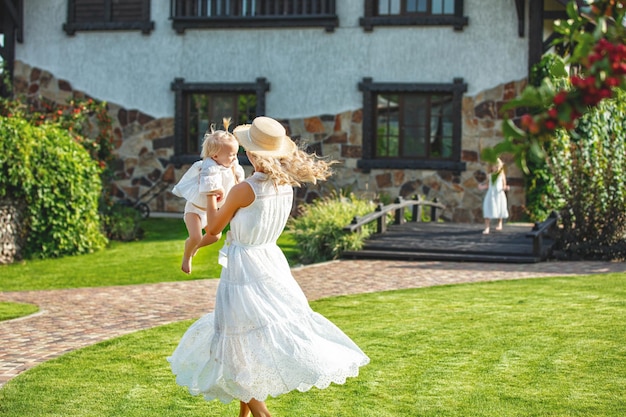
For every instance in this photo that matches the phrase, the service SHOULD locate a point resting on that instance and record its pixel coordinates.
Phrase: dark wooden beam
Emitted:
(535, 32)
(15, 10)
(520, 6)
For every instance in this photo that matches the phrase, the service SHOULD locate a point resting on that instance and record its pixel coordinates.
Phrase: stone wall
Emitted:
(144, 146)
(11, 231)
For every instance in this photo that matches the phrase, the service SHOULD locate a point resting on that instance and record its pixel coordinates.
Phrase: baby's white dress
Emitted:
(263, 339)
(495, 203)
(205, 176)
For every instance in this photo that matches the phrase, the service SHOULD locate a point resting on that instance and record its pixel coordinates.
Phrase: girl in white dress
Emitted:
(263, 339)
(218, 169)
(495, 202)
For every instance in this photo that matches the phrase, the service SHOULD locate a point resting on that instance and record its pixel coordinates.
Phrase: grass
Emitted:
(533, 347)
(10, 311)
(156, 258)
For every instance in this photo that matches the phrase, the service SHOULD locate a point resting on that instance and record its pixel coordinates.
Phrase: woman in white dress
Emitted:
(495, 202)
(263, 339)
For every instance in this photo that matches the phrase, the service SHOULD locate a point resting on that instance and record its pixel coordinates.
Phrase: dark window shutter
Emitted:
(89, 11)
(127, 11)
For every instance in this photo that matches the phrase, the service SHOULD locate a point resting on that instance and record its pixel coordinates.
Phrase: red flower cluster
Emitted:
(606, 66)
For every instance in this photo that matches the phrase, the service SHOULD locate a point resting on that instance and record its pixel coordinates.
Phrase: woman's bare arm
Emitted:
(241, 195)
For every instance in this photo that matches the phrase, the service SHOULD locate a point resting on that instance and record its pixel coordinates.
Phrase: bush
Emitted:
(90, 125)
(589, 170)
(318, 230)
(121, 222)
(59, 182)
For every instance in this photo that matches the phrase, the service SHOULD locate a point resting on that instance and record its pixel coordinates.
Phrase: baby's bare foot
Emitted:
(186, 265)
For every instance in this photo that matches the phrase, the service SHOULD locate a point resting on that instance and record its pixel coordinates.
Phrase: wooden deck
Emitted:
(451, 242)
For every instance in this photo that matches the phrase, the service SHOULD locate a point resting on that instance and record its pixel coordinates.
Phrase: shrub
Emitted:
(122, 223)
(318, 230)
(90, 125)
(589, 170)
(59, 182)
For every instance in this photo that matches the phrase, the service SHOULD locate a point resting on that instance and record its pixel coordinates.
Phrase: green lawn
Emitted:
(156, 258)
(10, 311)
(532, 347)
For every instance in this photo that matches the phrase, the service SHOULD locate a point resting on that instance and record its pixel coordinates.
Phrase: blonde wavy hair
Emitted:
(295, 169)
(215, 139)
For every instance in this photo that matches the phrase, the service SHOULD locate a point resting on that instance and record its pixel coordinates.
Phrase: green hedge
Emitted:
(589, 173)
(45, 168)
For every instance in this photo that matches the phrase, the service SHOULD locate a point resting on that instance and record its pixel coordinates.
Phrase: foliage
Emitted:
(567, 120)
(60, 184)
(86, 120)
(527, 347)
(597, 59)
(89, 124)
(539, 183)
(588, 165)
(318, 230)
(122, 223)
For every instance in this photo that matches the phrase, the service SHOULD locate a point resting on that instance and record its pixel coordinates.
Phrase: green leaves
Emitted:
(59, 182)
(319, 233)
(511, 131)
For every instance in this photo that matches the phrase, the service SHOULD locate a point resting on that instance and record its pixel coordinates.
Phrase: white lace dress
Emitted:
(263, 339)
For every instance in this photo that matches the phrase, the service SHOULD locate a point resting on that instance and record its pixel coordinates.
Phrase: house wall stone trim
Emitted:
(144, 146)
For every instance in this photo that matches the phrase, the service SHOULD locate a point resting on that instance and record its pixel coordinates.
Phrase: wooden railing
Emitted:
(540, 231)
(242, 8)
(398, 208)
(196, 14)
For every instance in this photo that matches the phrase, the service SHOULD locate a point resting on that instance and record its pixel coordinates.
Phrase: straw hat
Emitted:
(265, 136)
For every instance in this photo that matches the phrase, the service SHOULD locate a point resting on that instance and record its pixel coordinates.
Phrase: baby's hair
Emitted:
(215, 139)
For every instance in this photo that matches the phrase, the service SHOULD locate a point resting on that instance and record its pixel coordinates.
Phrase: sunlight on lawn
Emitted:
(532, 347)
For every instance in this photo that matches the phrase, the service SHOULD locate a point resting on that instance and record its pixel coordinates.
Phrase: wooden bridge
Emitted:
(415, 239)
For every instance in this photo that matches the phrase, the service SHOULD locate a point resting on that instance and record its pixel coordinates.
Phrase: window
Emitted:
(108, 15)
(413, 12)
(11, 32)
(412, 126)
(199, 105)
(194, 14)
(407, 7)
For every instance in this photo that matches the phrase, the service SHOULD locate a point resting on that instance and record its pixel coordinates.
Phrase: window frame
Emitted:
(326, 18)
(371, 90)
(145, 25)
(371, 19)
(182, 89)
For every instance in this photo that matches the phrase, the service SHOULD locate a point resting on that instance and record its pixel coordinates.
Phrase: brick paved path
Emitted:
(72, 319)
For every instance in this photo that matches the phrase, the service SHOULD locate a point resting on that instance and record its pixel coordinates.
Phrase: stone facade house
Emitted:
(404, 94)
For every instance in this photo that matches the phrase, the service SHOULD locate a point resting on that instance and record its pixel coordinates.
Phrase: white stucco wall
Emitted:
(311, 72)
